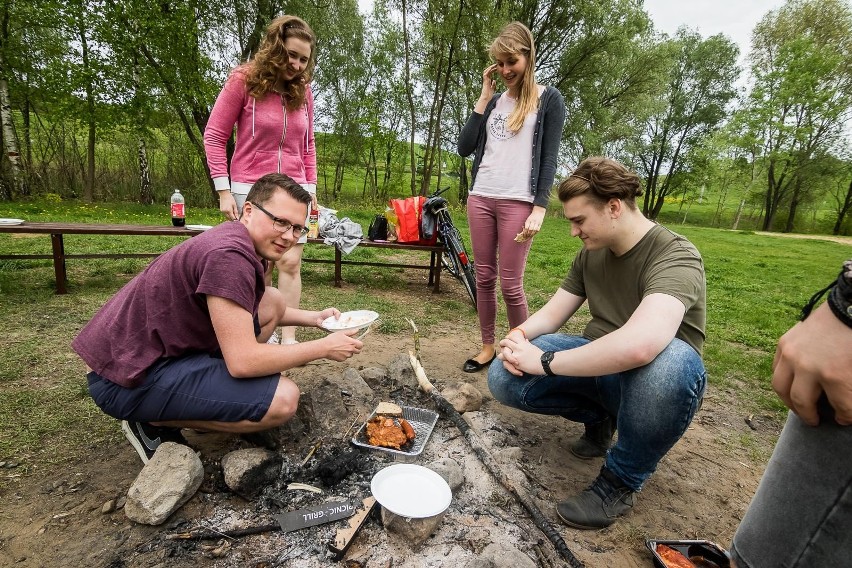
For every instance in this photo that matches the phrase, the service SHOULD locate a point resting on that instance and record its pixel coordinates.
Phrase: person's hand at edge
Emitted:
(813, 357)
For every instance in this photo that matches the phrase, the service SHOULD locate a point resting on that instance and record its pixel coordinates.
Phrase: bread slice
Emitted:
(389, 409)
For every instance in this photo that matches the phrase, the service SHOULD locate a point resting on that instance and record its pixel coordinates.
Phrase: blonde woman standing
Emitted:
(270, 102)
(514, 136)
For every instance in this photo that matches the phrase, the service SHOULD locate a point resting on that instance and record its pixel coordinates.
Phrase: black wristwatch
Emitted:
(546, 358)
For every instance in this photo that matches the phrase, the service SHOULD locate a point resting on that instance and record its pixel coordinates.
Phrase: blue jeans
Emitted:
(653, 404)
(801, 515)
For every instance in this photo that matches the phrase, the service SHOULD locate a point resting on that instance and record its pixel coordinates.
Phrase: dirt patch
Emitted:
(832, 238)
(700, 490)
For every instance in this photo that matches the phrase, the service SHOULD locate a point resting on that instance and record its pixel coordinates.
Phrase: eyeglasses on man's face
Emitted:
(282, 225)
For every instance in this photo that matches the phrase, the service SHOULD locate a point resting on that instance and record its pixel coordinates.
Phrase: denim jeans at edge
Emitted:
(653, 404)
(801, 514)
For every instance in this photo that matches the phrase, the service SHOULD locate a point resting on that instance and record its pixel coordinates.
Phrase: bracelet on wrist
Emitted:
(839, 297)
(524, 333)
(840, 305)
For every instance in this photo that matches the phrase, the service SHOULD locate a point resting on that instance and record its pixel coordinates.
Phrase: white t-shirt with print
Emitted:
(504, 172)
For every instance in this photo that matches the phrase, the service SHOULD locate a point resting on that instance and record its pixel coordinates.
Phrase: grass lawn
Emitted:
(756, 286)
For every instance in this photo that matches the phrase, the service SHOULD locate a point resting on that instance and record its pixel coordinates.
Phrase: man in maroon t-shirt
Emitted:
(183, 345)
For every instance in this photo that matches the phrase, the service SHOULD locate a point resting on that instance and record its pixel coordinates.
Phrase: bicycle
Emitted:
(454, 259)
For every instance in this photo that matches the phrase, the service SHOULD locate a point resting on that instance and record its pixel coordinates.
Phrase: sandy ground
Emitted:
(700, 490)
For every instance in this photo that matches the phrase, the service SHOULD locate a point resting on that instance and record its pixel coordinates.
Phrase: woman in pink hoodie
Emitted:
(270, 102)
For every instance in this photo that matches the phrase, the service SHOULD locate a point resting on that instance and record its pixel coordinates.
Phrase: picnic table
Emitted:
(57, 232)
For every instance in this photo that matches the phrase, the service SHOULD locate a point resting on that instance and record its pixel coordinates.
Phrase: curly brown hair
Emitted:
(263, 72)
(601, 179)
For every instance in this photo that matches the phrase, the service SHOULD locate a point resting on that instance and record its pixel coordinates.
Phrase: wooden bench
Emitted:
(434, 267)
(57, 231)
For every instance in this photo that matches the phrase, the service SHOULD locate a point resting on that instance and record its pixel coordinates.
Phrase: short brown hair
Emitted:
(264, 188)
(601, 179)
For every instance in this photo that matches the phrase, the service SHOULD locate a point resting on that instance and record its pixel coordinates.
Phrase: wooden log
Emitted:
(214, 535)
(482, 452)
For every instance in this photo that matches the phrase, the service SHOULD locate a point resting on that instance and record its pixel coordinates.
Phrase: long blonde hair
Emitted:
(263, 73)
(516, 39)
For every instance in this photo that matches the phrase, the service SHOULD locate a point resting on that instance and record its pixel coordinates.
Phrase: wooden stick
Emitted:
(214, 535)
(447, 409)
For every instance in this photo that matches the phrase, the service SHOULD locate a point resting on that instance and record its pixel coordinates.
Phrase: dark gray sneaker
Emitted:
(598, 506)
(596, 440)
(146, 438)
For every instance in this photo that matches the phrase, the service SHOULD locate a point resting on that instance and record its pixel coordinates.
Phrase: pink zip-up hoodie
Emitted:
(269, 137)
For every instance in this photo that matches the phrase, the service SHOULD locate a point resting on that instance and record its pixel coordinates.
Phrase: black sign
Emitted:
(316, 515)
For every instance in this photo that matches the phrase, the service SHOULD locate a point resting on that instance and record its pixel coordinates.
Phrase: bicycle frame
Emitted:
(455, 258)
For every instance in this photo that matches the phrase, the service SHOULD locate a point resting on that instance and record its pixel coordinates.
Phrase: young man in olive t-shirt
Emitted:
(637, 367)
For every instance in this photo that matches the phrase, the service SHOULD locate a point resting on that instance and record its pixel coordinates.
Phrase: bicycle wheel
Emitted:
(462, 265)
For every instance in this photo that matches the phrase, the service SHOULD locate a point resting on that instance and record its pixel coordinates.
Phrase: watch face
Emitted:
(546, 358)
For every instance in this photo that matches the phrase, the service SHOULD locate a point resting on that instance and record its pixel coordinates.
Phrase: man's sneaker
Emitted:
(596, 440)
(598, 506)
(146, 438)
(275, 339)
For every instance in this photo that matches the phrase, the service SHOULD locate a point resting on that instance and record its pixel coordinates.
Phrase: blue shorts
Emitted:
(193, 387)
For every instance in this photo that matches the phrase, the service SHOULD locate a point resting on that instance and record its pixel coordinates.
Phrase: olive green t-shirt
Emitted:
(662, 262)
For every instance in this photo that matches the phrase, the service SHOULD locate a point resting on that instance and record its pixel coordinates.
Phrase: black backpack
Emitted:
(378, 230)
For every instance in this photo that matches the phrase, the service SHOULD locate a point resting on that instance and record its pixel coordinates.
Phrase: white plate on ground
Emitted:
(411, 491)
(11, 221)
(357, 319)
(199, 227)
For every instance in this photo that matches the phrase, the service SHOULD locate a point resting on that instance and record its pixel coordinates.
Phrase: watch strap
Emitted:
(546, 358)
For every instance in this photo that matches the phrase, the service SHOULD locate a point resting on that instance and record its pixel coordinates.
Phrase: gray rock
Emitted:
(121, 502)
(108, 507)
(464, 397)
(479, 562)
(413, 531)
(450, 470)
(400, 371)
(374, 376)
(354, 383)
(168, 481)
(501, 555)
(249, 471)
(483, 425)
(509, 455)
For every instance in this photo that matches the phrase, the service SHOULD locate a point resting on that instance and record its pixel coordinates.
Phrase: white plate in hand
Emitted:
(357, 319)
(11, 221)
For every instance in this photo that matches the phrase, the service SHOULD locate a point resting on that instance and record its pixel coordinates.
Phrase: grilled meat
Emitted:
(386, 432)
(672, 558)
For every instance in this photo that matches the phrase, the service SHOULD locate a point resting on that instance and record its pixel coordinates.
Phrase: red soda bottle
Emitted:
(178, 209)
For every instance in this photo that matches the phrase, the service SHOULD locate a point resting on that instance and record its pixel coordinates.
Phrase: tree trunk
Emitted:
(794, 205)
(28, 147)
(89, 173)
(10, 143)
(841, 215)
(770, 192)
(409, 96)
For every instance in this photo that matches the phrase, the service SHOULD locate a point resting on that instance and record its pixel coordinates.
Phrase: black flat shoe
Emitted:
(473, 366)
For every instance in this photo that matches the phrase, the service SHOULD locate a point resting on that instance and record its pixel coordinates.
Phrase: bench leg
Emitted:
(436, 271)
(337, 267)
(59, 263)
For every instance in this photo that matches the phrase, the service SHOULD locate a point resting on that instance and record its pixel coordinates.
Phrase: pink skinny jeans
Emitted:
(494, 224)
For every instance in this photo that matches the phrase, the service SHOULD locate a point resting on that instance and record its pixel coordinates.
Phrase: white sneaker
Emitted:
(274, 340)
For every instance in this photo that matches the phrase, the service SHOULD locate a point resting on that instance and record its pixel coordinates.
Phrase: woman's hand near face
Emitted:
(488, 87)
